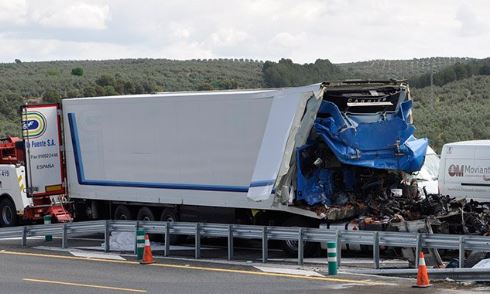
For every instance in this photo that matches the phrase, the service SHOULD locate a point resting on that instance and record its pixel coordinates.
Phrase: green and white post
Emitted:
(140, 243)
(332, 257)
(47, 221)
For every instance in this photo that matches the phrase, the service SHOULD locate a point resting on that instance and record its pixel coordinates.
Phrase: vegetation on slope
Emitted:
(452, 73)
(459, 111)
(398, 69)
(285, 73)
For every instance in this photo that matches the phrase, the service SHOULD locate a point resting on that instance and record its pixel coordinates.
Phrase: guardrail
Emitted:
(376, 239)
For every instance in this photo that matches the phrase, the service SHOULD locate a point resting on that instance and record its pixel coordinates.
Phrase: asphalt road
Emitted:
(39, 271)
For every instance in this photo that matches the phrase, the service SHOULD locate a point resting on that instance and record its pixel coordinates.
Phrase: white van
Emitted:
(465, 170)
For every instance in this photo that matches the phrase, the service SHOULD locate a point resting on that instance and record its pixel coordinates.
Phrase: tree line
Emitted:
(452, 73)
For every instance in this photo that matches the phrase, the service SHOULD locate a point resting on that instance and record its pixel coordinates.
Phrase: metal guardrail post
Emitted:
(136, 237)
(64, 237)
(167, 240)
(339, 246)
(230, 242)
(198, 242)
(265, 243)
(376, 250)
(418, 248)
(461, 252)
(300, 246)
(107, 236)
(24, 237)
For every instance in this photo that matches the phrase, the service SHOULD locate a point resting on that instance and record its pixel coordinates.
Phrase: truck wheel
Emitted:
(145, 214)
(8, 213)
(122, 212)
(171, 215)
(290, 247)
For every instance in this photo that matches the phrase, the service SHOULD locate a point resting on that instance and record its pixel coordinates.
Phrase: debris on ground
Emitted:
(386, 198)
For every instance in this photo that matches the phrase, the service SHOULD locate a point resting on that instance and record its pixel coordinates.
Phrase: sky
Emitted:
(303, 30)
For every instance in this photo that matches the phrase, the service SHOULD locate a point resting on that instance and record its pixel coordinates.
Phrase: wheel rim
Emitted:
(7, 215)
(122, 216)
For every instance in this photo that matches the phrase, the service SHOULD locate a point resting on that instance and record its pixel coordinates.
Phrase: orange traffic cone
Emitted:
(147, 255)
(422, 275)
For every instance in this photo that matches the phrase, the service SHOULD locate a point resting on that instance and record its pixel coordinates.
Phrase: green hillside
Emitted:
(35, 78)
(398, 69)
(285, 73)
(455, 72)
(459, 111)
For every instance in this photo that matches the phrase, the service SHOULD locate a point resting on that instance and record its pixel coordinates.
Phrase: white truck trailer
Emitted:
(465, 170)
(273, 156)
(206, 149)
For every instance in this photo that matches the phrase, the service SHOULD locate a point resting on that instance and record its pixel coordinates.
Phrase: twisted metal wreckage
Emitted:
(358, 160)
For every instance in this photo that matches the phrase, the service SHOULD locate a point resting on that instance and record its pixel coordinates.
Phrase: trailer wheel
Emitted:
(122, 212)
(145, 214)
(8, 214)
(170, 215)
(290, 247)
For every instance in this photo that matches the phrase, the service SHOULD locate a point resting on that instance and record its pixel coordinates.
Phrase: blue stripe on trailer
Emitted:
(174, 186)
(261, 183)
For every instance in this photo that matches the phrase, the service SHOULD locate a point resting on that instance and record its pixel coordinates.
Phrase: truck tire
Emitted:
(290, 247)
(8, 213)
(145, 214)
(122, 212)
(170, 214)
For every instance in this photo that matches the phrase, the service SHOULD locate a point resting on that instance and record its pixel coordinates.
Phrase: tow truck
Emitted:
(18, 202)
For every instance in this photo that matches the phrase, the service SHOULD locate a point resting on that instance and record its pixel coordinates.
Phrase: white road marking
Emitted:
(100, 255)
(62, 283)
(51, 248)
(288, 271)
(82, 253)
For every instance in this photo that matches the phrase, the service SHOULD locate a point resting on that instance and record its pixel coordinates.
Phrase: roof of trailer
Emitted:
(312, 87)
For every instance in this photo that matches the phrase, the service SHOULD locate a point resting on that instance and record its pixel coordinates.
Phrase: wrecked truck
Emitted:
(301, 156)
